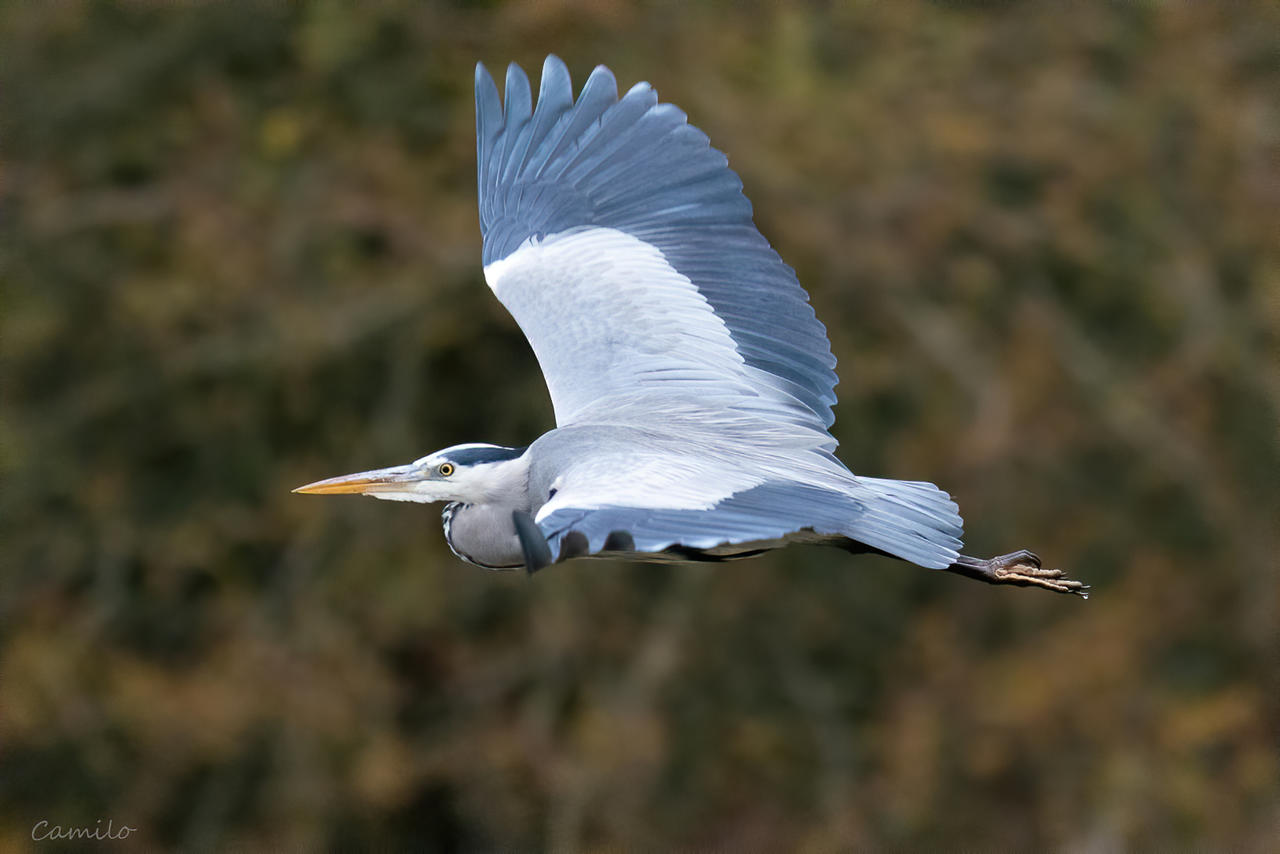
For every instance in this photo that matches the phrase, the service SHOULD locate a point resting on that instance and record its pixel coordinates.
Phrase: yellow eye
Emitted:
(445, 469)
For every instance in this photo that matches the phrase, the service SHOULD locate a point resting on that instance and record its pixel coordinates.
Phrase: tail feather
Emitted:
(912, 520)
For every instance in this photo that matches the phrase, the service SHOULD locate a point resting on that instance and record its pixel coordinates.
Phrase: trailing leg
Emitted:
(1021, 569)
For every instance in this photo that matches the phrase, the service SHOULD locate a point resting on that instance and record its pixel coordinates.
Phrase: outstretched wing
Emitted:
(622, 244)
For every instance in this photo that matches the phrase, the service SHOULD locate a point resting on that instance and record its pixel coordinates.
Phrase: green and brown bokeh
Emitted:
(240, 253)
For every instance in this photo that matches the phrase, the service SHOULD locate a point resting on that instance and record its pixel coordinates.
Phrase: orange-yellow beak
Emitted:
(363, 483)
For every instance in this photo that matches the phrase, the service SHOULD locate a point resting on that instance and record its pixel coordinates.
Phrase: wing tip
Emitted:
(487, 97)
(517, 83)
(601, 75)
(554, 65)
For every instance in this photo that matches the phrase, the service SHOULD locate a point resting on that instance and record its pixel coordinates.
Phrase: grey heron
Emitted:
(691, 381)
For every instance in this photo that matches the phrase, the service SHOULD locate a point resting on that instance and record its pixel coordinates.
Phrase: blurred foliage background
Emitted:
(241, 253)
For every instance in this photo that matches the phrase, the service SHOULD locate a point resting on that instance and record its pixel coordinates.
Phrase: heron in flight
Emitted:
(691, 381)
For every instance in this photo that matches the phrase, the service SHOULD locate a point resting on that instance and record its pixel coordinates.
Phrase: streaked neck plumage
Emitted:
(478, 525)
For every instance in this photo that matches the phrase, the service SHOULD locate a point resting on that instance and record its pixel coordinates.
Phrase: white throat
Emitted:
(503, 482)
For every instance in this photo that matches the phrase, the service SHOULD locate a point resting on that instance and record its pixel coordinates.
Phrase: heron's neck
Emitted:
(504, 483)
(478, 527)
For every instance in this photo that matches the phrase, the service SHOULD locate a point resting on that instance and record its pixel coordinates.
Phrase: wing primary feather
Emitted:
(555, 99)
(488, 127)
(612, 128)
(599, 93)
(518, 117)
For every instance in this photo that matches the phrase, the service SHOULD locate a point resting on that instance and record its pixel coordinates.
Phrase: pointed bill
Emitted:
(362, 483)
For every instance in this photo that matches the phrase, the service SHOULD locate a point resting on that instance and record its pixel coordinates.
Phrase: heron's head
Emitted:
(473, 474)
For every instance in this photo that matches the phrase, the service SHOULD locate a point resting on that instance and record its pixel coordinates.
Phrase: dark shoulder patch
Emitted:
(537, 553)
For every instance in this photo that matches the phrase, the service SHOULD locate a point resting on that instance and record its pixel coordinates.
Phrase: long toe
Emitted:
(1027, 575)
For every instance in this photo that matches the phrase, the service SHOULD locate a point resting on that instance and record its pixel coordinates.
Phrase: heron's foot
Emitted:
(1021, 569)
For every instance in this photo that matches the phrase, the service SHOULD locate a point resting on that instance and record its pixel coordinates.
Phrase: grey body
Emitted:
(811, 500)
